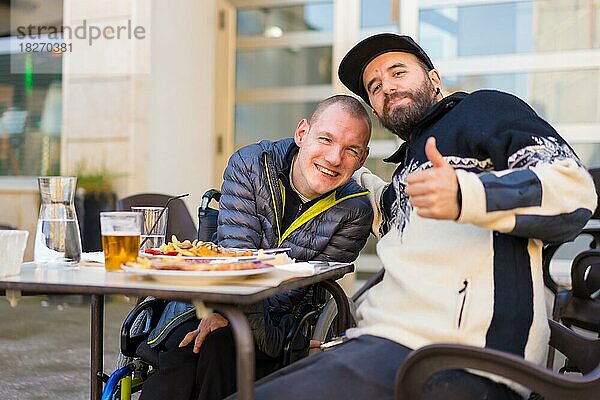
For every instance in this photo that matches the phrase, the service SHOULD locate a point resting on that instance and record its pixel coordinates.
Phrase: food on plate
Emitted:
(179, 264)
(196, 249)
(276, 259)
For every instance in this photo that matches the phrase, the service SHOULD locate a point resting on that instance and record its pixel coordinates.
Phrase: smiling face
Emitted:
(331, 149)
(400, 90)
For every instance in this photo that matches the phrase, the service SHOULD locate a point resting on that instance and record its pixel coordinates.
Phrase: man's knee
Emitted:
(219, 343)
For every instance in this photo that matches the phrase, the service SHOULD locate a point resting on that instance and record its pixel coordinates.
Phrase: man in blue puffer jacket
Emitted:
(294, 193)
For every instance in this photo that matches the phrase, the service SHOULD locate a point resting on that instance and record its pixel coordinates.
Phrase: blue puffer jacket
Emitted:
(252, 200)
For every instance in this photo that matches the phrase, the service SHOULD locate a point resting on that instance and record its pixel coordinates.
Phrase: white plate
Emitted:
(175, 275)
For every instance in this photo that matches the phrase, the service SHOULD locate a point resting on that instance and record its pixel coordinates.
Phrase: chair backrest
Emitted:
(578, 306)
(179, 222)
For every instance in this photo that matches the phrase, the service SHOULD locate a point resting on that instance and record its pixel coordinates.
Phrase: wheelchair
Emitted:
(137, 360)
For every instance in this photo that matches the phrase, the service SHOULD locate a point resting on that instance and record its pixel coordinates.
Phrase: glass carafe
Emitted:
(57, 237)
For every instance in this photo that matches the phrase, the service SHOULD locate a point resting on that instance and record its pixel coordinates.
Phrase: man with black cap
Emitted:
(482, 182)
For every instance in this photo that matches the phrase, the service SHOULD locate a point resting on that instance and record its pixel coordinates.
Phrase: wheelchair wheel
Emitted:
(326, 326)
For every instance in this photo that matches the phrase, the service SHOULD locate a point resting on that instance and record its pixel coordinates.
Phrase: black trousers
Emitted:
(208, 375)
(365, 368)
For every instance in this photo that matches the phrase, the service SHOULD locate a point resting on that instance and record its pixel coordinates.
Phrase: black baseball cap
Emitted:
(356, 60)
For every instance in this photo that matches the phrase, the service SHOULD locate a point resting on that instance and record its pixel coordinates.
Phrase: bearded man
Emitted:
(482, 182)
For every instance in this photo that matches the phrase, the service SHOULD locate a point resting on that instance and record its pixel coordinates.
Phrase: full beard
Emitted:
(402, 120)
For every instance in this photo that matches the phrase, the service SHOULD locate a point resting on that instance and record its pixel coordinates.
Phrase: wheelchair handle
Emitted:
(208, 196)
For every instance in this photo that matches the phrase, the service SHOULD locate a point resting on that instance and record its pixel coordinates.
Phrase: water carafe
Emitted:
(57, 238)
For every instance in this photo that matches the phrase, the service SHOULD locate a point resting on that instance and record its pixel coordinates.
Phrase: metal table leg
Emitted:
(97, 332)
(244, 348)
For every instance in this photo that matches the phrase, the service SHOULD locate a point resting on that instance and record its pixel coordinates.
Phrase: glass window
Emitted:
(272, 121)
(30, 114)
(589, 153)
(30, 93)
(382, 169)
(283, 67)
(377, 13)
(288, 65)
(276, 21)
(555, 95)
(378, 132)
(511, 27)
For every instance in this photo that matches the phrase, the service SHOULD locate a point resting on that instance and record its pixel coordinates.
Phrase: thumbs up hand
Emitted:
(434, 191)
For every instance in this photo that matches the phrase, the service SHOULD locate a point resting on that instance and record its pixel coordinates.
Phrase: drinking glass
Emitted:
(120, 237)
(154, 226)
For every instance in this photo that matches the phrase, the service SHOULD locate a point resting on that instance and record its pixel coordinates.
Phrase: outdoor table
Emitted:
(96, 282)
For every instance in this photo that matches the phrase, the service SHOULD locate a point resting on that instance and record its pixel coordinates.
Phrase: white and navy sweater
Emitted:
(476, 281)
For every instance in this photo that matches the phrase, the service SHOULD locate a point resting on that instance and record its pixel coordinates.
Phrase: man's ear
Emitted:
(301, 130)
(435, 78)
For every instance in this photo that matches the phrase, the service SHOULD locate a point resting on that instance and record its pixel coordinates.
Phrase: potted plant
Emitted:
(95, 193)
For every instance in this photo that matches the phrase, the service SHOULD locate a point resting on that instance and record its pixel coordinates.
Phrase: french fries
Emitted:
(199, 249)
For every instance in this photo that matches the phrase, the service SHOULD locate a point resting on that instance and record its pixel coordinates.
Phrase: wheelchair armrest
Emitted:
(132, 335)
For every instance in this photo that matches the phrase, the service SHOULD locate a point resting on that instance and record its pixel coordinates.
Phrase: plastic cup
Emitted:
(12, 248)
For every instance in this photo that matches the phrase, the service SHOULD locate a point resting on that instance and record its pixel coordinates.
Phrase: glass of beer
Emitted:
(121, 232)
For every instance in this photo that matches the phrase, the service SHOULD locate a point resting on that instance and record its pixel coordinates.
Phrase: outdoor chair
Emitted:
(420, 365)
(579, 306)
(179, 221)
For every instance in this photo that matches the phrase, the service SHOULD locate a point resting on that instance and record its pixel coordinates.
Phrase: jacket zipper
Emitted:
(462, 298)
(272, 191)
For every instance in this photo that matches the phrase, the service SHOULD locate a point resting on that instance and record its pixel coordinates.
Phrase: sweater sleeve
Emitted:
(543, 191)
(375, 185)
(238, 222)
